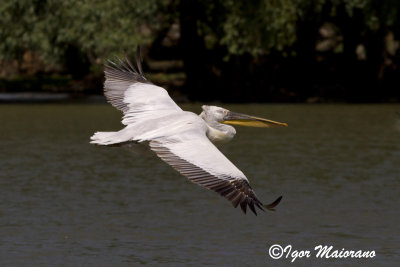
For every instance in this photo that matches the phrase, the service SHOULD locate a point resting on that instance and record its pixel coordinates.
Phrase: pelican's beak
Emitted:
(246, 120)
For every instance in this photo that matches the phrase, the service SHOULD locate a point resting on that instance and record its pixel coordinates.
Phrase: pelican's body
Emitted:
(181, 138)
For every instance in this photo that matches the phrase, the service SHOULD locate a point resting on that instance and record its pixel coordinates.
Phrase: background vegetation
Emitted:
(262, 50)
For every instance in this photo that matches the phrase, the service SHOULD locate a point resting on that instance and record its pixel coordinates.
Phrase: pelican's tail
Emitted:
(106, 138)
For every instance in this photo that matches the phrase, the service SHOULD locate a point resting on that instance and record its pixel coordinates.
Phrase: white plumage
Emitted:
(180, 138)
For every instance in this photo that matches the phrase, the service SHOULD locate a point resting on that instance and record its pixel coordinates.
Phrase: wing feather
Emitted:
(226, 179)
(127, 89)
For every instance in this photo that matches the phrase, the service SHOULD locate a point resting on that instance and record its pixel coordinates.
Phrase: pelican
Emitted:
(182, 139)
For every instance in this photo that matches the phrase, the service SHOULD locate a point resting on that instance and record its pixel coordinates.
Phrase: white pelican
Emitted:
(182, 139)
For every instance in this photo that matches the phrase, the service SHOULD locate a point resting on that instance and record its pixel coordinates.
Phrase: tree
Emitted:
(76, 29)
(267, 47)
(246, 34)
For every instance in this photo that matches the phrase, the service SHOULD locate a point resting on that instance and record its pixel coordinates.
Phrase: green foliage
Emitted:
(98, 28)
(17, 22)
(257, 26)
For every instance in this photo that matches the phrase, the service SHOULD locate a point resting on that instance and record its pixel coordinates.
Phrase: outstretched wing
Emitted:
(195, 157)
(128, 90)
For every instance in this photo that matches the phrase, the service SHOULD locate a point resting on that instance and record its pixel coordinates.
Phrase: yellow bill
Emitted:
(250, 121)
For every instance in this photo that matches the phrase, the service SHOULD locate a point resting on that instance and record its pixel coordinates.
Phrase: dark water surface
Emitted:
(65, 202)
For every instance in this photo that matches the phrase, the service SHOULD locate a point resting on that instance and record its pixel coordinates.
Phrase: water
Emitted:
(65, 202)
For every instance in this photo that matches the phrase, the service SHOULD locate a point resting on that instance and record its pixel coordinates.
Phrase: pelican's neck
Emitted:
(218, 132)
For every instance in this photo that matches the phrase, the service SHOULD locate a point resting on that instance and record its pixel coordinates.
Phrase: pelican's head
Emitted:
(213, 114)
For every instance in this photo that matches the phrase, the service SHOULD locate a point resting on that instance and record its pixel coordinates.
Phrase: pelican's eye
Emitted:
(225, 112)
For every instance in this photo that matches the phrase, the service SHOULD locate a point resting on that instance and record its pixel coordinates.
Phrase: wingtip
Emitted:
(243, 205)
(272, 205)
(252, 208)
(139, 59)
